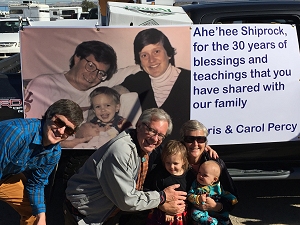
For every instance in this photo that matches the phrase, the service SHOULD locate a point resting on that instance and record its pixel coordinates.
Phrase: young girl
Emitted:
(174, 171)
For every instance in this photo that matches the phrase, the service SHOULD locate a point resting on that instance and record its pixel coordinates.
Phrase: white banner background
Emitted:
(260, 101)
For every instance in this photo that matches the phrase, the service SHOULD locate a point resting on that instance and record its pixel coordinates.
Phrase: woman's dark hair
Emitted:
(152, 36)
(102, 52)
(67, 108)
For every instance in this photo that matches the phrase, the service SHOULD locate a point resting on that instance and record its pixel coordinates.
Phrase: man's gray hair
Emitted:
(155, 114)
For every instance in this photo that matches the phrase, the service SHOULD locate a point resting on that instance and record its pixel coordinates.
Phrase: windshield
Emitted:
(10, 26)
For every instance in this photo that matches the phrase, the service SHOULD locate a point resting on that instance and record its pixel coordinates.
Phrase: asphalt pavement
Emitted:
(274, 202)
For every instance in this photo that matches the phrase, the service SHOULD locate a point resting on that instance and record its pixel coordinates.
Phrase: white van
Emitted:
(68, 12)
(31, 9)
(9, 36)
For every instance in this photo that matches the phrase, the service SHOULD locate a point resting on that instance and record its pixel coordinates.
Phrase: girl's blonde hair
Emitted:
(174, 147)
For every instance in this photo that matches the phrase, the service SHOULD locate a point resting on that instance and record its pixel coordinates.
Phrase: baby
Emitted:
(88, 129)
(97, 136)
(207, 185)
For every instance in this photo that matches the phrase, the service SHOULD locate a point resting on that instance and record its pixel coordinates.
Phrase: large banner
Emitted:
(241, 82)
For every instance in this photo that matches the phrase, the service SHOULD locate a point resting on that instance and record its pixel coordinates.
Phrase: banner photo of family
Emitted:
(112, 73)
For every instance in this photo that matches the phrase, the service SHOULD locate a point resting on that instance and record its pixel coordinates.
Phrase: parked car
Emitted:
(84, 15)
(9, 36)
(93, 14)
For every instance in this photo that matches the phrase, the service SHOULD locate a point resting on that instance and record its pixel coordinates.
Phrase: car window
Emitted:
(274, 19)
(258, 19)
(10, 26)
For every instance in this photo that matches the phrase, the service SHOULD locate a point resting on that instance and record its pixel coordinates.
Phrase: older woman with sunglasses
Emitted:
(194, 135)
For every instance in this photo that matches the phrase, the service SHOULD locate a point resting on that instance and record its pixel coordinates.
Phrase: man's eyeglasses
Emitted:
(60, 124)
(91, 67)
(191, 139)
(153, 132)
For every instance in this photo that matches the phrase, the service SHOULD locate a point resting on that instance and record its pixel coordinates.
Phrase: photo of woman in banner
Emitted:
(160, 83)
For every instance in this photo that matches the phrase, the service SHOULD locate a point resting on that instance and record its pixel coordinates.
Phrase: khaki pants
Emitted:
(12, 191)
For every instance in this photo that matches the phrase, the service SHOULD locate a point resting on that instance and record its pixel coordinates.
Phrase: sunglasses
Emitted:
(60, 124)
(191, 139)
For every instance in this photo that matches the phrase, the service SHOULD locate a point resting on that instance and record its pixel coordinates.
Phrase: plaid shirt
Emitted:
(21, 150)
